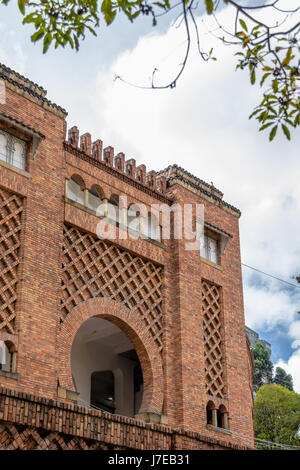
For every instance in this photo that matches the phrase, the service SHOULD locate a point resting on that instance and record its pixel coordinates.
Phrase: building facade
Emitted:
(130, 341)
(254, 338)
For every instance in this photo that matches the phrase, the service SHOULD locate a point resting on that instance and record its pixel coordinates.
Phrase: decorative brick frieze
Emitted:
(28, 422)
(11, 207)
(97, 268)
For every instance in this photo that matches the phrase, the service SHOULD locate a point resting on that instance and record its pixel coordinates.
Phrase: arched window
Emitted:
(7, 356)
(75, 190)
(210, 413)
(222, 417)
(94, 199)
(103, 390)
(133, 218)
(13, 150)
(113, 209)
(19, 153)
(152, 228)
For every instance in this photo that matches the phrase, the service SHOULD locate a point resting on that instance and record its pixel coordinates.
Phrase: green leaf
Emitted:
(38, 35)
(266, 75)
(252, 78)
(297, 120)
(275, 85)
(21, 4)
(29, 18)
(47, 42)
(243, 24)
(286, 131)
(265, 126)
(108, 12)
(273, 133)
(209, 6)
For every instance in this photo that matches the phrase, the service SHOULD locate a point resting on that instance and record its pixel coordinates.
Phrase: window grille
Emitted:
(13, 150)
(210, 249)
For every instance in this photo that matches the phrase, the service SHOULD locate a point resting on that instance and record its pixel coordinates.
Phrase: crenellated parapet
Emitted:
(94, 150)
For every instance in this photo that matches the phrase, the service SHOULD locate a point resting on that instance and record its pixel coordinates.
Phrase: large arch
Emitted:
(141, 340)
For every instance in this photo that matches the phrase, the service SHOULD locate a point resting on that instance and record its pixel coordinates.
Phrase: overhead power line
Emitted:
(270, 275)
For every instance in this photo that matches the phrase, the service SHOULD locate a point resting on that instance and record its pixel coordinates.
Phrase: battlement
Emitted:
(94, 150)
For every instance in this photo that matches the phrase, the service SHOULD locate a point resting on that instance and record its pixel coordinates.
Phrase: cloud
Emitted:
(12, 53)
(292, 366)
(267, 307)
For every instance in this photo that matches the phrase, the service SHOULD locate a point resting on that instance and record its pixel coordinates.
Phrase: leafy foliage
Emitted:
(270, 55)
(263, 367)
(282, 378)
(277, 415)
(279, 71)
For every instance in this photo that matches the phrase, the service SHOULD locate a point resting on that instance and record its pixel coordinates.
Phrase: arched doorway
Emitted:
(106, 369)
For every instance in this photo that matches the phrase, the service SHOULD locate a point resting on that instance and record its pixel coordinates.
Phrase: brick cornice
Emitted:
(115, 172)
(30, 90)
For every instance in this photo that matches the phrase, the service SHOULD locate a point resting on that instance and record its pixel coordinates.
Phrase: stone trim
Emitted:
(217, 429)
(210, 263)
(205, 194)
(15, 169)
(178, 170)
(10, 375)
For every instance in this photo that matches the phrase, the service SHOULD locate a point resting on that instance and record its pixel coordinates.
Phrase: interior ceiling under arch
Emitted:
(98, 329)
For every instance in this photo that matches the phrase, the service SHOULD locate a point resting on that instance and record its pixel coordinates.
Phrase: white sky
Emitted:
(203, 126)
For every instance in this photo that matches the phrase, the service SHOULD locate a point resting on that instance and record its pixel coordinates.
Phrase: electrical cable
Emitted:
(270, 275)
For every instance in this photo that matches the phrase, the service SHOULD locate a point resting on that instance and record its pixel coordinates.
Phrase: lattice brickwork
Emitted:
(212, 326)
(10, 227)
(18, 437)
(93, 267)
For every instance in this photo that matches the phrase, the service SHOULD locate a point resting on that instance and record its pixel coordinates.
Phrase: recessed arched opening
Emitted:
(209, 413)
(75, 189)
(222, 417)
(95, 196)
(151, 227)
(8, 356)
(106, 369)
(113, 208)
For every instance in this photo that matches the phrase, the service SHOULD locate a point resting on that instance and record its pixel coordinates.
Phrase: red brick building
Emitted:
(134, 342)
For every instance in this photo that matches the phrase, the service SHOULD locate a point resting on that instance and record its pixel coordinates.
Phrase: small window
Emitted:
(13, 150)
(210, 250)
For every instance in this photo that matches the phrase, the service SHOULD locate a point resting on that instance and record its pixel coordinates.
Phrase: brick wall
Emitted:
(28, 422)
(172, 355)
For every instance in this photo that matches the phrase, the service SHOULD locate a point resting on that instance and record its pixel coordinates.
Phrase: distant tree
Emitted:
(263, 367)
(277, 415)
(282, 378)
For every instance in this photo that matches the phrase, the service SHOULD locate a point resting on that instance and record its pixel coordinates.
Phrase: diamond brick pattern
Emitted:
(11, 207)
(212, 326)
(97, 268)
(18, 437)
